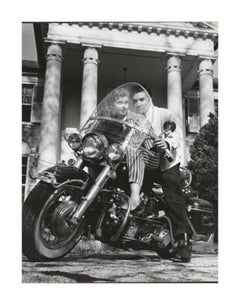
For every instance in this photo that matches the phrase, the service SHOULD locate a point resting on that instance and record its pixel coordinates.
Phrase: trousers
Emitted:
(145, 163)
(170, 181)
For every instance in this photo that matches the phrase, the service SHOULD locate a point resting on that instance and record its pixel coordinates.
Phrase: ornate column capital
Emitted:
(173, 62)
(55, 50)
(206, 66)
(91, 54)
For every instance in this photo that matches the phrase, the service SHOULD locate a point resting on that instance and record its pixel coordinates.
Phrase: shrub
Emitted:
(204, 161)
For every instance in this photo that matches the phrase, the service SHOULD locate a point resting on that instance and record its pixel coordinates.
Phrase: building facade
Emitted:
(77, 64)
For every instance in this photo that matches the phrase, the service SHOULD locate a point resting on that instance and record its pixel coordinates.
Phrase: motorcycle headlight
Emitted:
(94, 146)
(74, 141)
(115, 152)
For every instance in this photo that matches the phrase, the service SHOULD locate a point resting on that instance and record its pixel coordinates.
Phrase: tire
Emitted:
(46, 234)
(162, 244)
(165, 253)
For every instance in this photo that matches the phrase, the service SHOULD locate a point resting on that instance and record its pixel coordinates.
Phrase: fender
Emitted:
(66, 175)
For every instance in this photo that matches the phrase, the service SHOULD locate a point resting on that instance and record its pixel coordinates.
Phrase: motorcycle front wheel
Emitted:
(47, 233)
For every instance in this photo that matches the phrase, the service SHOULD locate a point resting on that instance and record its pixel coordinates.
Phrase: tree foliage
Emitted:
(204, 161)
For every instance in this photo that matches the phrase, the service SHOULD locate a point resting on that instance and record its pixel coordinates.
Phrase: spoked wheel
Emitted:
(47, 231)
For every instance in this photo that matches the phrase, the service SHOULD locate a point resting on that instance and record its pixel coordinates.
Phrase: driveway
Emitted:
(121, 267)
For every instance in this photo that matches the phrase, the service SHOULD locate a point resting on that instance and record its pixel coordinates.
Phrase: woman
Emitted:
(118, 106)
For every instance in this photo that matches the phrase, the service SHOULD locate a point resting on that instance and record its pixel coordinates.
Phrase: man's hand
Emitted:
(160, 143)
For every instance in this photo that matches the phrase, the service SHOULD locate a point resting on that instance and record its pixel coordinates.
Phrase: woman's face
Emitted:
(121, 106)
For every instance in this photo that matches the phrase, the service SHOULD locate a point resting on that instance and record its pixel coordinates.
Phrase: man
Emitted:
(168, 174)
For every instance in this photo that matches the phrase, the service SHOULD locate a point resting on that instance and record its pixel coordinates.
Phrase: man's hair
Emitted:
(148, 89)
(143, 88)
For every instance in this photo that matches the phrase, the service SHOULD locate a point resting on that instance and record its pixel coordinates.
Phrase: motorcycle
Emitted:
(89, 195)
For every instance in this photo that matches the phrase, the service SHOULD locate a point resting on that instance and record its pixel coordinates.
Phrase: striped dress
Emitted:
(139, 159)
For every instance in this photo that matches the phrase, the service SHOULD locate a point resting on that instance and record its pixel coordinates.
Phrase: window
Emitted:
(24, 168)
(216, 107)
(192, 115)
(24, 174)
(27, 97)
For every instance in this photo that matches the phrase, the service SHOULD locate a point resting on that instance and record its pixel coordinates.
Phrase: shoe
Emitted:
(138, 210)
(183, 254)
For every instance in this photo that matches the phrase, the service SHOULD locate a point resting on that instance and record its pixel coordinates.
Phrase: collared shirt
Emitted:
(157, 117)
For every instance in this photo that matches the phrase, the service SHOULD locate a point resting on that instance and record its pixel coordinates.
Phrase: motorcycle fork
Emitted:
(79, 163)
(91, 194)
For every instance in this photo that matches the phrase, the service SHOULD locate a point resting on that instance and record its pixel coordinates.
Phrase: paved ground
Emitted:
(111, 266)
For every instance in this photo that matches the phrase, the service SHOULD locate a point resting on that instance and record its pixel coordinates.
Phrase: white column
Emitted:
(184, 143)
(89, 84)
(206, 90)
(49, 147)
(174, 98)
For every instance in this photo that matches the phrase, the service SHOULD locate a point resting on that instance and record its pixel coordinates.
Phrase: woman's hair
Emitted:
(119, 92)
(106, 108)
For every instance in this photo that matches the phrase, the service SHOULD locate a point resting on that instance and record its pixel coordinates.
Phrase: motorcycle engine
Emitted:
(114, 217)
(158, 233)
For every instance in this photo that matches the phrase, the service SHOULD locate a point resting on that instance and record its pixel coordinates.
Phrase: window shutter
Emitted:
(37, 104)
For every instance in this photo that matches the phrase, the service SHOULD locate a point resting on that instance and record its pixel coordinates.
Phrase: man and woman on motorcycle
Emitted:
(151, 159)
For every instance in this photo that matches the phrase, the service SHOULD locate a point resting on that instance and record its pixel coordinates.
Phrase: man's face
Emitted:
(140, 100)
(121, 106)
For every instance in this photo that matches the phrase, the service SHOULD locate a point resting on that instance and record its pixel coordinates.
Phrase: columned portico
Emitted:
(174, 96)
(89, 83)
(50, 125)
(135, 47)
(206, 90)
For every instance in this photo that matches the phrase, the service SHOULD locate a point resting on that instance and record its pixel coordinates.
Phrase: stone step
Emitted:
(95, 246)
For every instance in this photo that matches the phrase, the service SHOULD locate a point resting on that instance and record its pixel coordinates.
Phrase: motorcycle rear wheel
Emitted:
(163, 248)
(165, 253)
(46, 232)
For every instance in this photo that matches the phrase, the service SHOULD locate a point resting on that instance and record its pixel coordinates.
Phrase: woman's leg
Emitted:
(137, 161)
(136, 166)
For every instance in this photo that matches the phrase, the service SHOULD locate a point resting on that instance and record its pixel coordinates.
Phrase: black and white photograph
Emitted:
(119, 149)
(120, 152)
